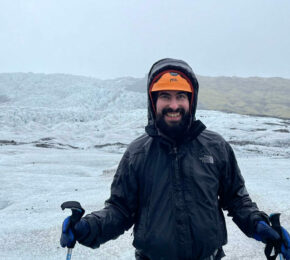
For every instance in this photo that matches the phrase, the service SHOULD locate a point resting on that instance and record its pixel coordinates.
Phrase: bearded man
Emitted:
(173, 182)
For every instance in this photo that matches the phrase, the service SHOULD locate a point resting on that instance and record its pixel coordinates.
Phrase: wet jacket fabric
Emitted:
(174, 193)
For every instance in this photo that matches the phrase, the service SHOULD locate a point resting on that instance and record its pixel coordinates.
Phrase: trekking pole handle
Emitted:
(77, 213)
(275, 221)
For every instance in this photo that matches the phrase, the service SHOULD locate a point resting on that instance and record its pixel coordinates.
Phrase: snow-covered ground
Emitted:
(62, 140)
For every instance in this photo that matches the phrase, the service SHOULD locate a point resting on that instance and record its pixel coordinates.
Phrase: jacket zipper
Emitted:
(181, 178)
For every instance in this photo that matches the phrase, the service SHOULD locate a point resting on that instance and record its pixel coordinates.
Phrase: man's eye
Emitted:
(181, 96)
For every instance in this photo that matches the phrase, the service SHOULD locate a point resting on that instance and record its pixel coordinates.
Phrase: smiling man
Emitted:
(171, 95)
(172, 112)
(173, 183)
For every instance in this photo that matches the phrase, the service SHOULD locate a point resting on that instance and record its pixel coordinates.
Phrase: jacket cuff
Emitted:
(91, 240)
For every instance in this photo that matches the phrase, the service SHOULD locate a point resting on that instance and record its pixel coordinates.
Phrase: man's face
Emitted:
(172, 112)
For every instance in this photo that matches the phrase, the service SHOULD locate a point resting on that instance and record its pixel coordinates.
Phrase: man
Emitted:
(173, 182)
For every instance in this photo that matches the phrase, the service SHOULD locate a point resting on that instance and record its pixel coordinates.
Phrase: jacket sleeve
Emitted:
(119, 211)
(234, 197)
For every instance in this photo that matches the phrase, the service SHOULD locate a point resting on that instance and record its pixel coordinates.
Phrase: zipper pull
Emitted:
(174, 150)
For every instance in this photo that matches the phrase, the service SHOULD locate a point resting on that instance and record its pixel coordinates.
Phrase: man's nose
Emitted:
(173, 104)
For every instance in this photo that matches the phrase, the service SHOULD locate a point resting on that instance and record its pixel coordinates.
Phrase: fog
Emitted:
(109, 39)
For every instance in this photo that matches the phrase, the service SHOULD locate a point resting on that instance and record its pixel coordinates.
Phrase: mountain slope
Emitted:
(253, 96)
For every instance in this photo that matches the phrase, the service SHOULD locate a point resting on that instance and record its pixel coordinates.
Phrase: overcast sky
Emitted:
(109, 39)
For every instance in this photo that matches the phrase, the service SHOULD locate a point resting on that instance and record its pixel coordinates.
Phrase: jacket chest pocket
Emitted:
(201, 180)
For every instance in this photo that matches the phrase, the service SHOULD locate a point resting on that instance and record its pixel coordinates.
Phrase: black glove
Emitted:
(70, 235)
(267, 234)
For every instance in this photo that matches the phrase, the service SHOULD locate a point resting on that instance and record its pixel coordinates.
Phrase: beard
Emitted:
(174, 130)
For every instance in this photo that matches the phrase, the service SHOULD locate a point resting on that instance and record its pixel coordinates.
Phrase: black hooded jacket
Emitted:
(174, 194)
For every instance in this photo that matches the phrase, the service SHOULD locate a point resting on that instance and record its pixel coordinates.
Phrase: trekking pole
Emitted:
(77, 213)
(275, 221)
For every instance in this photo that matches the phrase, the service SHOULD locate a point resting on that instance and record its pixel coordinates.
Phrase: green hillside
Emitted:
(255, 96)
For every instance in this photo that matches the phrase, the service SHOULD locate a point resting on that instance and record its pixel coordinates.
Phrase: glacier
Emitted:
(61, 138)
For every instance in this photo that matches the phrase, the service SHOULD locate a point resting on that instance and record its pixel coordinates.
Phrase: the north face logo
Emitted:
(207, 159)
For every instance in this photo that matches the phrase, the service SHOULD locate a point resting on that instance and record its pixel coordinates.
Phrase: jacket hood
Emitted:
(165, 65)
